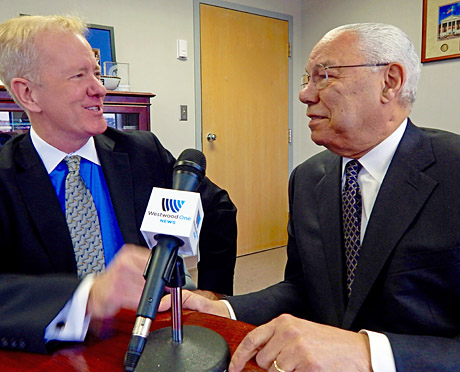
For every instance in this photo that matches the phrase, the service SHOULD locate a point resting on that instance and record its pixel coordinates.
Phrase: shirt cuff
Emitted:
(382, 358)
(71, 324)
(189, 283)
(230, 309)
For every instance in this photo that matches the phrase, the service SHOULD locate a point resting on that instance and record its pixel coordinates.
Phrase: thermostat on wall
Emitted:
(181, 49)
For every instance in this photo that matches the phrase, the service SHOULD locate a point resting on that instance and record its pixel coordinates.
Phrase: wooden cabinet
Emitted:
(128, 110)
(123, 110)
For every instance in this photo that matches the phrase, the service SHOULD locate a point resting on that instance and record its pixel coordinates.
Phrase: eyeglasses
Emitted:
(320, 78)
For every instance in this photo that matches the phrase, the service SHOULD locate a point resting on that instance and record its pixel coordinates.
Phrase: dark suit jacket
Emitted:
(407, 283)
(37, 264)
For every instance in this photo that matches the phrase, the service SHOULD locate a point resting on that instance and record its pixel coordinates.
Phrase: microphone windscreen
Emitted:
(191, 160)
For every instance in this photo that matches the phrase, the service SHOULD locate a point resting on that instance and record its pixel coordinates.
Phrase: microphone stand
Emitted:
(176, 284)
(189, 348)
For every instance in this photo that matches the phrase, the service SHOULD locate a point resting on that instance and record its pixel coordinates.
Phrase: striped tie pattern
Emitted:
(82, 221)
(351, 211)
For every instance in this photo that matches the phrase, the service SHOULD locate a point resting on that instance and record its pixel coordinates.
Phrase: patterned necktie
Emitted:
(83, 221)
(351, 211)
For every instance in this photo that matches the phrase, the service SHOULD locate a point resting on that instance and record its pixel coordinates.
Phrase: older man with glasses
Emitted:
(372, 278)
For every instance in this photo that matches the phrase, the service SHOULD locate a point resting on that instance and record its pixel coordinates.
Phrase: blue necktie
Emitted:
(351, 211)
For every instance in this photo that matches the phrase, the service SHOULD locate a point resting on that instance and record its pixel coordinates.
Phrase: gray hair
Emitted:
(19, 57)
(382, 43)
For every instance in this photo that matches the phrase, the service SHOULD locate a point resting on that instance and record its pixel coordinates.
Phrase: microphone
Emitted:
(163, 227)
(189, 170)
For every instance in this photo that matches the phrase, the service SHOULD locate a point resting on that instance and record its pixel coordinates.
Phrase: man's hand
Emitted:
(300, 345)
(198, 302)
(121, 285)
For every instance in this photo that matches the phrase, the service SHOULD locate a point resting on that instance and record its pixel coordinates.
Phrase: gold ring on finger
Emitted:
(277, 367)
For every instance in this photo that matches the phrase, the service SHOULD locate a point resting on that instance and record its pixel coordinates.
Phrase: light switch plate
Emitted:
(183, 113)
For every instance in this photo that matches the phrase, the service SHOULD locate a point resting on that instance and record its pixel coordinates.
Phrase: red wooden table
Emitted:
(105, 347)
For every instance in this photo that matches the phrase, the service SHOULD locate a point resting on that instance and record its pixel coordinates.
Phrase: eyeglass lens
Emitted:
(318, 77)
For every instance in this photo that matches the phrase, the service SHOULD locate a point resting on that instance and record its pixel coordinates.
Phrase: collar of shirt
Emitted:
(51, 156)
(375, 165)
(377, 161)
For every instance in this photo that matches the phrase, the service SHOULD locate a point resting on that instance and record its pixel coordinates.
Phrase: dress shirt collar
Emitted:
(51, 156)
(377, 161)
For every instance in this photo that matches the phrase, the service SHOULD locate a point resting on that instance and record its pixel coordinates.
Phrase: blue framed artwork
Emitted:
(103, 39)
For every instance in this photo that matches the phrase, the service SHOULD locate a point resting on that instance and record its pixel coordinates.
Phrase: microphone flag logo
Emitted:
(171, 205)
(174, 212)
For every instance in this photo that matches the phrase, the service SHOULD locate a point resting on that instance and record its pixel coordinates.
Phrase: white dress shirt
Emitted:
(71, 324)
(375, 165)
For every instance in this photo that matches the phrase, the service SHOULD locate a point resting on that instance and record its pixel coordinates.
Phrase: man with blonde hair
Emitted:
(54, 280)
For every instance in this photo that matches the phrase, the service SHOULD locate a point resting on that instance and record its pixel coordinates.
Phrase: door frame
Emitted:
(197, 53)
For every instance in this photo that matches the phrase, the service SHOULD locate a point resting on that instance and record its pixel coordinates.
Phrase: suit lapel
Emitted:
(43, 206)
(328, 196)
(402, 194)
(117, 171)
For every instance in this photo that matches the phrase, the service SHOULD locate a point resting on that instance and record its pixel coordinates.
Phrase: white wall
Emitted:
(437, 103)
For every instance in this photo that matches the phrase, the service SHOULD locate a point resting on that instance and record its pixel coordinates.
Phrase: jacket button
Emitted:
(22, 343)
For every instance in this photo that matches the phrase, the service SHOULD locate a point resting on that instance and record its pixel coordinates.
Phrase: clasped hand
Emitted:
(296, 344)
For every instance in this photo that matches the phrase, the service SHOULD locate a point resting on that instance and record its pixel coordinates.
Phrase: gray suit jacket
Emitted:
(407, 284)
(37, 262)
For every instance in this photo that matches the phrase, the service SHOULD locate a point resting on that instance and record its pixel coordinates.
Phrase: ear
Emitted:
(394, 79)
(23, 90)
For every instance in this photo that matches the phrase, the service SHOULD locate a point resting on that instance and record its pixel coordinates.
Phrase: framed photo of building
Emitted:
(441, 30)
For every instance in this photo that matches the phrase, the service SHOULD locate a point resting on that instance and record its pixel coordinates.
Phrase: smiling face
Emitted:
(69, 96)
(347, 116)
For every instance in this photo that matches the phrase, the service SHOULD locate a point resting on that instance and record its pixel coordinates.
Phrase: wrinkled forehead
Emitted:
(339, 50)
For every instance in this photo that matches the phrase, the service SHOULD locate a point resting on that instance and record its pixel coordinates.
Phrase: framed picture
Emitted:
(441, 30)
(102, 38)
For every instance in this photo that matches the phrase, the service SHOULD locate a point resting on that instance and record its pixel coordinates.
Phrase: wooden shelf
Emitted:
(131, 109)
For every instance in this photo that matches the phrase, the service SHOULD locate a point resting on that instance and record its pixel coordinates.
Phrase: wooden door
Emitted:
(245, 103)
